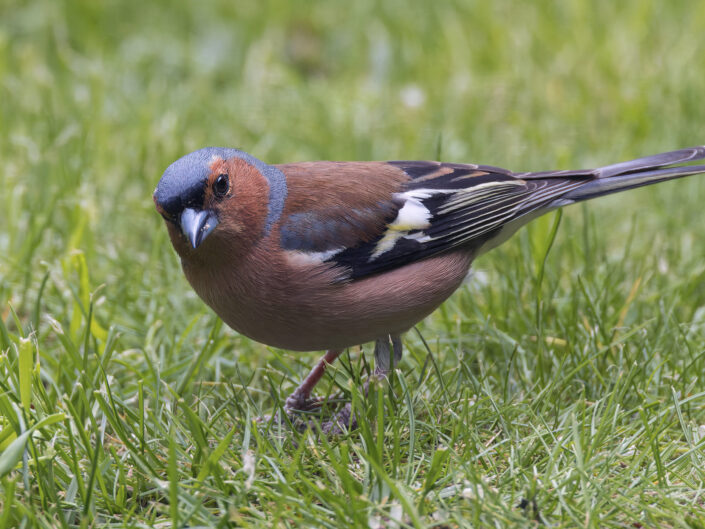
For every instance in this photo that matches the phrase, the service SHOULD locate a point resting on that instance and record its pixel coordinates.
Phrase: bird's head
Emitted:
(220, 195)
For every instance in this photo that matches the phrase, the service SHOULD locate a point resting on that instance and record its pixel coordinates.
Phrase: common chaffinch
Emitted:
(327, 255)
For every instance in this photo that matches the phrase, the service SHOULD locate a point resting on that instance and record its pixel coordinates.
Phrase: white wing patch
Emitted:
(413, 215)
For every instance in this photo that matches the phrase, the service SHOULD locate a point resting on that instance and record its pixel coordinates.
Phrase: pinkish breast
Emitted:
(292, 306)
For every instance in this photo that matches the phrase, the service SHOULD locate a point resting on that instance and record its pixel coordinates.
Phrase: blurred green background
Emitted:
(98, 98)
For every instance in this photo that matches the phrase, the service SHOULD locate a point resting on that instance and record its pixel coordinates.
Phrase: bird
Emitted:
(323, 256)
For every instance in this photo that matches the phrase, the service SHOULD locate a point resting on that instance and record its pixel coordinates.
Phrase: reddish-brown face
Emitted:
(242, 210)
(212, 201)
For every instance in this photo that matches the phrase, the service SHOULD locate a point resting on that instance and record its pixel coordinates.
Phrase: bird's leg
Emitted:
(300, 399)
(386, 359)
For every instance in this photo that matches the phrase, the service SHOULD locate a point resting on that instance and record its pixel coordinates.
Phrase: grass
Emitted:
(569, 394)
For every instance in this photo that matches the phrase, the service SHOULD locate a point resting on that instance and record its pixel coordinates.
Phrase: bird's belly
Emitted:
(313, 315)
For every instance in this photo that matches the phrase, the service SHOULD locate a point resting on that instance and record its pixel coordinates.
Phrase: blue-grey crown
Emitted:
(183, 183)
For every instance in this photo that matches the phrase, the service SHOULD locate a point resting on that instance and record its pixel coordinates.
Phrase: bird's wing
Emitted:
(446, 206)
(388, 215)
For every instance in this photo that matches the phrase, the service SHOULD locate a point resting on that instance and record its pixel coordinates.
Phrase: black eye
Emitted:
(221, 186)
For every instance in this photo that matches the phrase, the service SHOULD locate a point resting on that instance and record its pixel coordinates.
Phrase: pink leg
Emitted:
(386, 360)
(301, 396)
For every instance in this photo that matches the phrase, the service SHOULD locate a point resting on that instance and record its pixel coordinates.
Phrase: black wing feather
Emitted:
(467, 205)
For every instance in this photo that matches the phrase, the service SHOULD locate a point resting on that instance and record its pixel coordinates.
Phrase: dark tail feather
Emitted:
(626, 175)
(605, 186)
(653, 162)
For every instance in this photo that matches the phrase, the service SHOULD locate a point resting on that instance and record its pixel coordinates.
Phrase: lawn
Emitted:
(559, 387)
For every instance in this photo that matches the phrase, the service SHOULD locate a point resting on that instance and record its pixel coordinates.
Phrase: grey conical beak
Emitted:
(196, 225)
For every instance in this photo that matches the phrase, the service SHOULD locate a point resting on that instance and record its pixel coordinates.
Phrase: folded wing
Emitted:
(447, 206)
(438, 207)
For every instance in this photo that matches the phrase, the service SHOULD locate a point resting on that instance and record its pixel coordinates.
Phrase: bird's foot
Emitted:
(300, 401)
(295, 411)
(301, 411)
(343, 421)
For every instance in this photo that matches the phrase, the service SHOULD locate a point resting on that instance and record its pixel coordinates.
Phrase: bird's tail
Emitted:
(626, 175)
